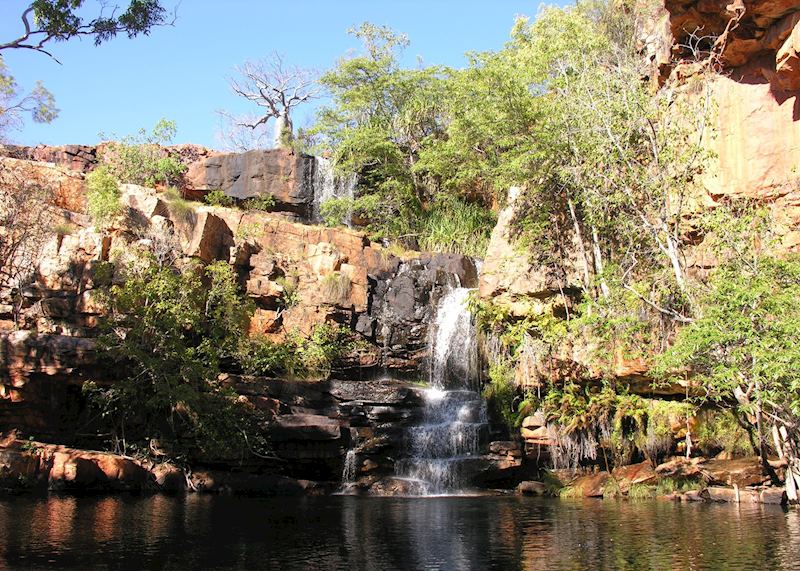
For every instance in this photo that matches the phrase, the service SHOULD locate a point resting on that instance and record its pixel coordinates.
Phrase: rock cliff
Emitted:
(297, 275)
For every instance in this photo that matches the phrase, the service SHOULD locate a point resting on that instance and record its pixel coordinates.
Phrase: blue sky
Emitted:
(180, 73)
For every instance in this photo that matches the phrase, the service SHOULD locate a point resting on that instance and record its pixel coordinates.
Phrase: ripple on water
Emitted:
(214, 532)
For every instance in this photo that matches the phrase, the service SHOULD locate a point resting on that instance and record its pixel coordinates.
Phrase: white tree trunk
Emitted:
(283, 123)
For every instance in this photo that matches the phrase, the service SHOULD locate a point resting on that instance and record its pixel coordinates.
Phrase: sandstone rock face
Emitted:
(79, 158)
(36, 373)
(67, 189)
(298, 276)
(757, 143)
(33, 464)
(510, 279)
(764, 28)
(754, 144)
(277, 172)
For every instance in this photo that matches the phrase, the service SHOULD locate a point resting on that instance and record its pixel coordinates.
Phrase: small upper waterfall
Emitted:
(454, 420)
(327, 185)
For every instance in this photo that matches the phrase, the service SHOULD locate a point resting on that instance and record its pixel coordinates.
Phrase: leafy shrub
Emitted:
(259, 356)
(178, 206)
(248, 230)
(642, 492)
(218, 198)
(452, 225)
(335, 211)
(290, 296)
(103, 273)
(501, 392)
(315, 355)
(666, 486)
(166, 337)
(298, 356)
(262, 202)
(140, 159)
(718, 431)
(571, 492)
(64, 229)
(102, 196)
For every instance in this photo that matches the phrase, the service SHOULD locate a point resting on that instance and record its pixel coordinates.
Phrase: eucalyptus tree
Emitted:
(45, 23)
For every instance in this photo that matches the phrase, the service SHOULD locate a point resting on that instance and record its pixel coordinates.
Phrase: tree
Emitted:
(380, 118)
(169, 331)
(743, 352)
(39, 103)
(46, 22)
(276, 88)
(25, 221)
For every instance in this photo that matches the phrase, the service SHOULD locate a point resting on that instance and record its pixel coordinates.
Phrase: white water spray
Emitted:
(454, 421)
(327, 185)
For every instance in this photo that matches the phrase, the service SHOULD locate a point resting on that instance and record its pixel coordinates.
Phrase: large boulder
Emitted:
(282, 174)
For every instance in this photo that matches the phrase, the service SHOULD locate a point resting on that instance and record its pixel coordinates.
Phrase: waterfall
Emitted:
(349, 469)
(350, 466)
(327, 185)
(454, 418)
(454, 349)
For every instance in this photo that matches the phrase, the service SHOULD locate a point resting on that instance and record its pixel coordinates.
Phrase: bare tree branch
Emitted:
(276, 88)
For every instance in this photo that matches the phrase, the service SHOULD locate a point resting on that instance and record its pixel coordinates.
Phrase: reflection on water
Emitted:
(343, 532)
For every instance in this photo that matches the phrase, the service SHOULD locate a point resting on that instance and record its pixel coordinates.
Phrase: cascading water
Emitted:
(454, 351)
(350, 466)
(454, 420)
(327, 185)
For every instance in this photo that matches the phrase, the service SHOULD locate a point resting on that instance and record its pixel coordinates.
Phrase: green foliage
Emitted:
(452, 225)
(642, 492)
(248, 230)
(259, 356)
(551, 483)
(140, 159)
(102, 196)
(585, 420)
(262, 202)
(39, 103)
(169, 333)
(299, 356)
(335, 211)
(62, 20)
(380, 118)
(501, 393)
(718, 431)
(571, 492)
(289, 295)
(103, 273)
(31, 445)
(218, 198)
(64, 229)
(315, 355)
(178, 206)
(745, 335)
(666, 486)
(336, 287)
(742, 349)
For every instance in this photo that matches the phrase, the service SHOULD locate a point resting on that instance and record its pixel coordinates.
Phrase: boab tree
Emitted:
(276, 88)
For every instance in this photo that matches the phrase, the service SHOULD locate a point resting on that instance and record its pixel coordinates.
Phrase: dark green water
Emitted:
(218, 532)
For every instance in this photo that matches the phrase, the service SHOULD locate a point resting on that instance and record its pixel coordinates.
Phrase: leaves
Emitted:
(170, 333)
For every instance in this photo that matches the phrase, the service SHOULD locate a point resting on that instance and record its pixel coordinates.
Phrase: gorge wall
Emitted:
(297, 275)
(300, 275)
